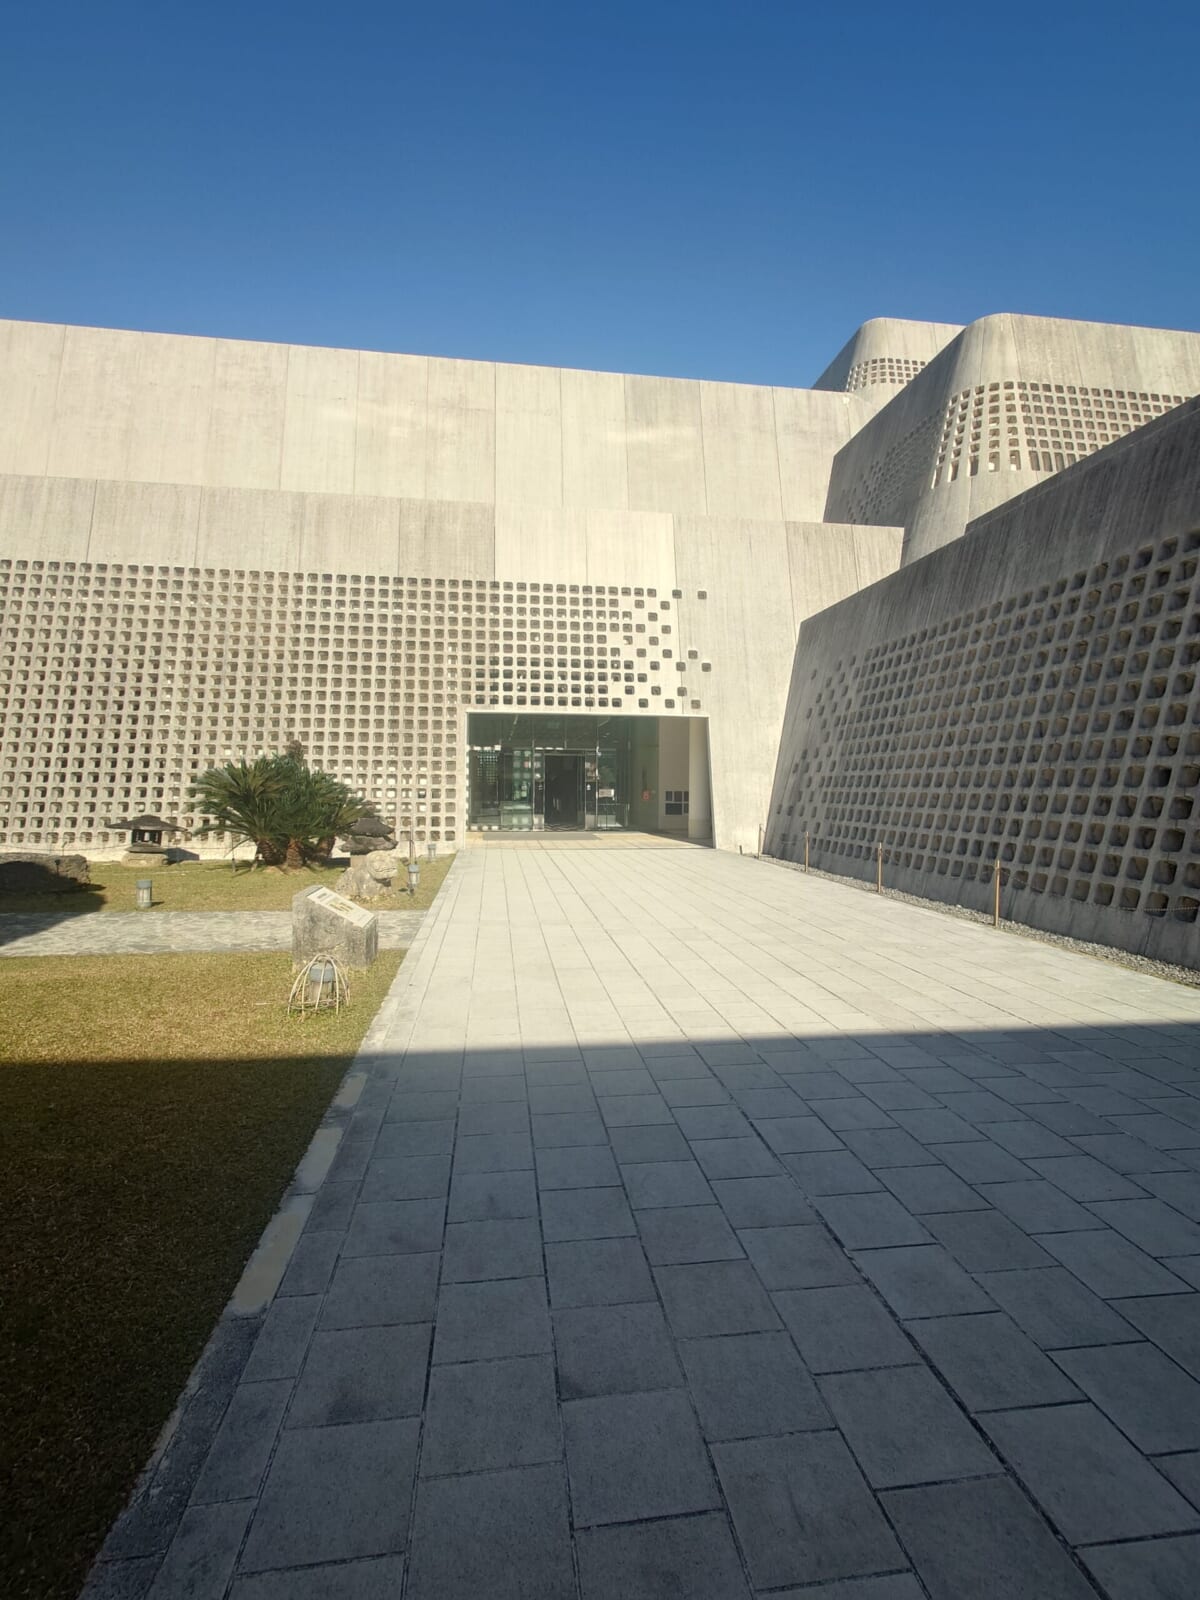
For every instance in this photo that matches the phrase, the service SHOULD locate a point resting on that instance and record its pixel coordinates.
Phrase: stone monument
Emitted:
(327, 924)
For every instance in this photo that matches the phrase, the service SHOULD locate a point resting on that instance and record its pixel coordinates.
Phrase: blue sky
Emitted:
(704, 189)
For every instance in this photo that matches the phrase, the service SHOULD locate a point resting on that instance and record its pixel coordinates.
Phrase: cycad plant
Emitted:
(290, 812)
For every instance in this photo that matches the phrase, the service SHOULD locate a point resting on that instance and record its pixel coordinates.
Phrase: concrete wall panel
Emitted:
(46, 519)
(154, 522)
(245, 433)
(528, 436)
(450, 538)
(595, 459)
(172, 407)
(320, 417)
(741, 462)
(461, 446)
(631, 547)
(391, 432)
(237, 523)
(665, 442)
(98, 380)
(541, 543)
(30, 360)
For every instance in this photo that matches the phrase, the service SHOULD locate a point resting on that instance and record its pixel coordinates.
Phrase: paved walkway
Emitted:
(703, 1230)
(49, 933)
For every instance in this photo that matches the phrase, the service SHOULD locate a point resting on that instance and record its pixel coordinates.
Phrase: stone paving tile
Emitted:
(1091, 1481)
(693, 1556)
(635, 1457)
(1156, 1569)
(982, 1538)
(802, 1510)
(681, 1165)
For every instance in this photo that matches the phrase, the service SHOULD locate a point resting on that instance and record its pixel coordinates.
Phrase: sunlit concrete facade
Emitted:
(209, 547)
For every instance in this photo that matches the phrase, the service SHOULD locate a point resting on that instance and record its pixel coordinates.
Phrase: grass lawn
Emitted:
(215, 886)
(152, 1110)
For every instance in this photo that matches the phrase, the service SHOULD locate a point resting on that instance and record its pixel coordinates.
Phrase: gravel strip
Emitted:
(1188, 976)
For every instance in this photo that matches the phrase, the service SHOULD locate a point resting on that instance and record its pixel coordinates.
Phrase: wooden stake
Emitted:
(806, 849)
(879, 867)
(996, 893)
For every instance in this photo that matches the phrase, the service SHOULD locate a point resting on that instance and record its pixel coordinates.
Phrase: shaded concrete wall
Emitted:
(1006, 404)
(1030, 691)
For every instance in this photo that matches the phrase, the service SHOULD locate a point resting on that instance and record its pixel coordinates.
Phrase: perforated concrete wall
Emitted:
(1027, 693)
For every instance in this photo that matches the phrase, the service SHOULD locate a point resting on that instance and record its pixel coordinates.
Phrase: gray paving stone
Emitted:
(687, 1233)
(362, 1375)
(479, 1250)
(394, 1227)
(562, 1130)
(666, 1183)
(765, 1103)
(585, 1214)
(983, 1162)
(802, 1510)
(814, 1086)
(199, 1561)
(833, 1172)
(493, 1152)
(734, 1158)
(855, 1112)
(1086, 1476)
(1152, 1225)
(751, 1385)
(614, 1350)
(713, 1122)
(713, 1298)
(990, 1363)
(485, 1321)
(1085, 1179)
(1037, 1206)
(1028, 1138)
(984, 1241)
(842, 1328)
(1124, 1154)
(634, 1110)
(1163, 1132)
(502, 1116)
(1109, 1265)
(1155, 1569)
(1172, 1322)
(981, 1538)
(904, 1428)
(888, 1147)
(693, 1556)
(234, 1466)
(796, 1135)
(692, 1091)
(593, 1272)
(1184, 1473)
(1178, 1189)
(979, 1107)
(434, 1105)
(406, 1178)
(796, 1257)
(500, 1534)
(333, 1494)
(870, 1221)
(1055, 1310)
(332, 1206)
(492, 1196)
(762, 1202)
(1146, 1394)
(372, 1291)
(652, 1142)
(936, 1127)
(922, 1281)
(557, 1098)
(311, 1263)
(283, 1338)
(934, 1188)
(487, 1091)
(490, 1414)
(635, 1457)
(415, 1139)
(894, 1094)
(899, 1586)
(588, 1166)
(376, 1579)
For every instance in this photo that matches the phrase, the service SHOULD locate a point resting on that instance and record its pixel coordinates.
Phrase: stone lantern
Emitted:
(146, 847)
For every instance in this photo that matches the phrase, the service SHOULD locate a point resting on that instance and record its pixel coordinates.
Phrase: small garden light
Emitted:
(414, 875)
(144, 894)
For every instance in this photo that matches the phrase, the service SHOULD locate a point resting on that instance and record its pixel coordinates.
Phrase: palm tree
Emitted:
(290, 813)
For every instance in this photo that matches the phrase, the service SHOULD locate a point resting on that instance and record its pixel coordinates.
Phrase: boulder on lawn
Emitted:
(28, 872)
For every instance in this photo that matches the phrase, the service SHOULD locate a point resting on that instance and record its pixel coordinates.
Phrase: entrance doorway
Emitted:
(564, 789)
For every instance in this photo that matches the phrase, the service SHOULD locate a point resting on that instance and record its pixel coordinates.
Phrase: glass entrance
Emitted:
(563, 799)
(535, 772)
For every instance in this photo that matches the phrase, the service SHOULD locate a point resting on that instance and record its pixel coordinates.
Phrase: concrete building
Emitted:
(484, 595)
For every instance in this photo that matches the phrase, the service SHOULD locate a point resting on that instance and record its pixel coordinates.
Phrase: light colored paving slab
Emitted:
(705, 1227)
(47, 933)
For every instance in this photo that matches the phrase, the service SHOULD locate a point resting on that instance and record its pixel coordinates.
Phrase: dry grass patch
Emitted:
(214, 886)
(152, 1111)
